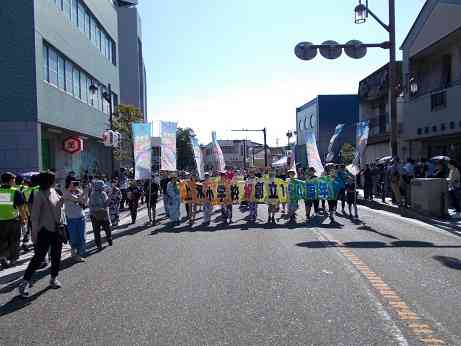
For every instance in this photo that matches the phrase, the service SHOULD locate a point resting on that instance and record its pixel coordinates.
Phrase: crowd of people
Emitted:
(38, 214)
(393, 179)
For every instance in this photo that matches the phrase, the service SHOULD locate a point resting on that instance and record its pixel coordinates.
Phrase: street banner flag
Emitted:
(198, 157)
(331, 147)
(362, 132)
(142, 149)
(168, 137)
(218, 157)
(313, 157)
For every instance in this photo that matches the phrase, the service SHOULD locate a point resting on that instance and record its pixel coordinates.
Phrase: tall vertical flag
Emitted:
(218, 157)
(168, 136)
(313, 156)
(198, 157)
(142, 150)
(361, 138)
(331, 147)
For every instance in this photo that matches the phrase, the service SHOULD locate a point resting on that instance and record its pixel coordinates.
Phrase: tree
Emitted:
(184, 151)
(347, 153)
(125, 115)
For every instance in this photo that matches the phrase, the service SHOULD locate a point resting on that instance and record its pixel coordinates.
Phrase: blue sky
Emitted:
(222, 65)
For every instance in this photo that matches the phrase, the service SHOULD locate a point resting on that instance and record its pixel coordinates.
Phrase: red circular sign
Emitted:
(73, 145)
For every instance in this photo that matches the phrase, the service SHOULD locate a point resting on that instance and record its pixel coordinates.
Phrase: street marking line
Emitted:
(403, 311)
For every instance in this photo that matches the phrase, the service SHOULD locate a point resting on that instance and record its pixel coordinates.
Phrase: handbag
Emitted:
(61, 228)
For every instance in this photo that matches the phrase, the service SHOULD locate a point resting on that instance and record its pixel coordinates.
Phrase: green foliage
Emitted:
(347, 153)
(124, 116)
(185, 154)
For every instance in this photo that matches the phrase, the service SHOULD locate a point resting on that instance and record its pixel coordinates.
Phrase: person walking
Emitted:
(48, 233)
(115, 197)
(123, 180)
(368, 183)
(152, 198)
(395, 176)
(163, 186)
(173, 200)
(293, 197)
(408, 175)
(133, 195)
(75, 202)
(341, 179)
(454, 186)
(310, 197)
(12, 215)
(99, 213)
(207, 189)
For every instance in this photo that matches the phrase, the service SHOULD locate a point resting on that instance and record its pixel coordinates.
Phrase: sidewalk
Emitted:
(452, 224)
(10, 274)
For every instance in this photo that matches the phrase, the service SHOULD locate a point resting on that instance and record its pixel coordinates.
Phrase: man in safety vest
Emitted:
(11, 208)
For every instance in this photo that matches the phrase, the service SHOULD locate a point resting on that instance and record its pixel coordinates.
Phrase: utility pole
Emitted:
(264, 131)
(393, 80)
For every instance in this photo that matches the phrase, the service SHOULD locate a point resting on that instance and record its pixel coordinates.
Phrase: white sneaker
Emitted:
(24, 289)
(55, 283)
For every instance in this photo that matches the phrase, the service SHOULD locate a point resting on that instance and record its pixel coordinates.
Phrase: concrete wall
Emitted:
(55, 107)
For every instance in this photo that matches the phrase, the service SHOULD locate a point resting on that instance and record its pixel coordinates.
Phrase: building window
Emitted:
(420, 131)
(81, 17)
(426, 130)
(93, 31)
(52, 66)
(434, 128)
(98, 37)
(443, 127)
(438, 101)
(74, 12)
(87, 25)
(61, 73)
(76, 74)
(46, 75)
(446, 71)
(452, 125)
(69, 77)
(83, 87)
(66, 7)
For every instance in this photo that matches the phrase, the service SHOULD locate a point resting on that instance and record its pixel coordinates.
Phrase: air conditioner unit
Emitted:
(430, 196)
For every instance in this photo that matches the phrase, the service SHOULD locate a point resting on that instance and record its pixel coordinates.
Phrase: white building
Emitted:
(432, 62)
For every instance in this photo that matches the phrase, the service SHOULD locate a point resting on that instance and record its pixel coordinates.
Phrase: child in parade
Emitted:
(192, 185)
(152, 197)
(249, 192)
(227, 205)
(208, 199)
(115, 197)
(292, 197)
(272, 198)
(308, 202)
(351, 197)
(333, 198)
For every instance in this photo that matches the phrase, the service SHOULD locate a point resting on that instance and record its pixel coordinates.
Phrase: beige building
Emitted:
(432, 72)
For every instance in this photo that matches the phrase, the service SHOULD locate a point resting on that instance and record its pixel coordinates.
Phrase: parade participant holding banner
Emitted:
(192, 189)
(249, 196)
(173, 200)
(224, 197)
(208, 197)
(293, 196)
(311, 193)
(272, 197)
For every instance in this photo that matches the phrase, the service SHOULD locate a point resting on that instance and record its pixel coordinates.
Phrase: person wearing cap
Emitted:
(99, 213)
(12, 214)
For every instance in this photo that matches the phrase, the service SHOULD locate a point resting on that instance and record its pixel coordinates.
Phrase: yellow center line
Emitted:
(399, 307)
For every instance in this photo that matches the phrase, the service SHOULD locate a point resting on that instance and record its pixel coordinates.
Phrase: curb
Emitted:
(406, 212)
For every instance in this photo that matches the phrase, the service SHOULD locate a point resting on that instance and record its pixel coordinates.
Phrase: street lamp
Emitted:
(107, 95)
(361, 12)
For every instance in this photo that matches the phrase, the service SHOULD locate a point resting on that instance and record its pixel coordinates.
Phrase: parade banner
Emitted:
(217, 155)
(331, 152)
(198, 157)
(313, 157)
(325, 188)
(362, 132)
(142, 150)
(168, 135)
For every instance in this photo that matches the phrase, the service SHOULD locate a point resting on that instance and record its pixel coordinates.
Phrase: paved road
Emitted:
(383, 281)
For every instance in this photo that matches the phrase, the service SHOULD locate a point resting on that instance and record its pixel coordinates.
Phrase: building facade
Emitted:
(233, 152)
(432, 71)
(321, 115)
(133, 87)
(374, 108)
(53, 51)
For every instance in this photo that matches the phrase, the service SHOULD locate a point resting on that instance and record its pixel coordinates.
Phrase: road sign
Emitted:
(73, 145)
(356, 50)
(331, 50)
(304, 51)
